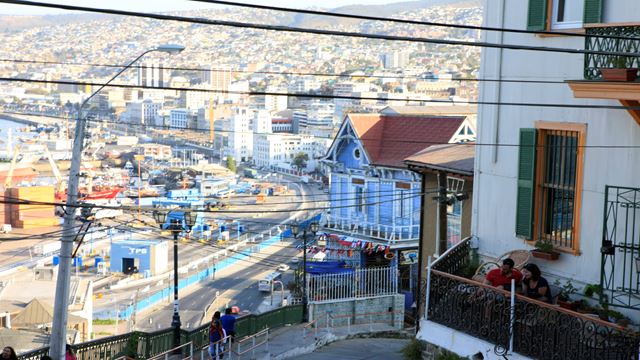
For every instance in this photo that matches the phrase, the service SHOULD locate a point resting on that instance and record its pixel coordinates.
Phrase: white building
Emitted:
(142, 112)
(153, 74)
(179, 118)
(571, 183)
(240, 136)
(277, 151)
(395, 59)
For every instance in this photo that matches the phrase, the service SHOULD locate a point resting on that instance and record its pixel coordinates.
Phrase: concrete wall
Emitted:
(382, 309)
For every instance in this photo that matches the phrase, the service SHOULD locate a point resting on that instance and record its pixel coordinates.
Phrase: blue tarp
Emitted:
(328, 267)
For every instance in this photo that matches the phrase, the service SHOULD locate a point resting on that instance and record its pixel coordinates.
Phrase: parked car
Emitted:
(283, 267)
(295, 260)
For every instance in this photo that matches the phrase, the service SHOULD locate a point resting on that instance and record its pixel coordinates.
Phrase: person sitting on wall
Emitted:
(501, 277)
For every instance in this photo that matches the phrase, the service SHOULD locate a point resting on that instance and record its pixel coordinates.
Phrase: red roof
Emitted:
(389, 139)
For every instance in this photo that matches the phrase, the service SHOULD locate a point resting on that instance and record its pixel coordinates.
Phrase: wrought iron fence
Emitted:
(539, 330)
(455, 259)
(355, 284)
(604, 42)
(152, 344)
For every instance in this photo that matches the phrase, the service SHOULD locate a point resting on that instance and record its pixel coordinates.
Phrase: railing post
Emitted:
(191, 350)
(513, 313)
(348, 326)
(370, 323)
(327, 325)
(267, 344)
(428, 289)
(253, 347)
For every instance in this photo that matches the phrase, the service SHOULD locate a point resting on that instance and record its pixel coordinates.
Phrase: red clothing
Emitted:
(496, 278)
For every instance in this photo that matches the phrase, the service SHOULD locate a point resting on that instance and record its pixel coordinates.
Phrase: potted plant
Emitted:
(564, 297)
(620, 70)
(544, 249)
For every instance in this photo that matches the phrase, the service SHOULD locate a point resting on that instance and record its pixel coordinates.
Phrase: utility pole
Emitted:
(442, 212)
(58, 338)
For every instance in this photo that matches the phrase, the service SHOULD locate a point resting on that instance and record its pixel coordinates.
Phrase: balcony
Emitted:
(626, 40)
(392, 233)
(493, 320)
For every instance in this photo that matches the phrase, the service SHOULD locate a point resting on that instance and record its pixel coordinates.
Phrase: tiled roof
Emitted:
(454, 158)
(388, 140)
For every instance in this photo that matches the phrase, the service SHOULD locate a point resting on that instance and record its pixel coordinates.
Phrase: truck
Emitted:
(251, 173)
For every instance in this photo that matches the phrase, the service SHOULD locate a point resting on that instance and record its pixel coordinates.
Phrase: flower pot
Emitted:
(619, 74)
(573, 306)
(545, 255)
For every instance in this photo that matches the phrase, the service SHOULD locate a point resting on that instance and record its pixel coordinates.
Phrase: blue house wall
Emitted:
(384, 189)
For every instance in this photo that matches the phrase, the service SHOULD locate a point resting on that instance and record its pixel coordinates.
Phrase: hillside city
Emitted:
(430, 179)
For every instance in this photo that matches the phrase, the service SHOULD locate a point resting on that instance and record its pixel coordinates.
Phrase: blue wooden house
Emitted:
(375, 200)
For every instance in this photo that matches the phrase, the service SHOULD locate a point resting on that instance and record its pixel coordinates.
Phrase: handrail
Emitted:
(450, 250)
(532, 301)
(158, 356)
(222, 341)
(254, 345)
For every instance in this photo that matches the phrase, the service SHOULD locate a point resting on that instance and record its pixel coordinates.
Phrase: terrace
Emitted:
(463, 314)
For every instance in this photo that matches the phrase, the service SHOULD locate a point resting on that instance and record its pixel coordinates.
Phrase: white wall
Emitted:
(496, 167)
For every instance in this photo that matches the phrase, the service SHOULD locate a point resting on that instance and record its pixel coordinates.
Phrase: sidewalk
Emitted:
(299, 341)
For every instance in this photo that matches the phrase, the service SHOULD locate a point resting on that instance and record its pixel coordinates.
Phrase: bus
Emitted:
(264, 285)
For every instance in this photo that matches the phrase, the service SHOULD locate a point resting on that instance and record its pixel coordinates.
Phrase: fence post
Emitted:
(191, 350)
(327, 316)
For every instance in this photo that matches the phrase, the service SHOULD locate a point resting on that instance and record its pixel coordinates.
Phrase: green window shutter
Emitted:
(526, 183)
(592, 11)
(537, 15)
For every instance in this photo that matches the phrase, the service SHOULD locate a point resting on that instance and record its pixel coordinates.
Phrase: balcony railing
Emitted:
(537, 330)
(526, 326)
(599, 39)
(383, 232)
(360, 283)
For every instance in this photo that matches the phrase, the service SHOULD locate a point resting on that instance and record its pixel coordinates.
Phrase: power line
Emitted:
(204, 130)
(291, 29)
(322, 96)
(287, 73)
(405, 21)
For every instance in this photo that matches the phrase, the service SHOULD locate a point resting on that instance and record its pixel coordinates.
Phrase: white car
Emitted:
(295, 260)
(283, 267)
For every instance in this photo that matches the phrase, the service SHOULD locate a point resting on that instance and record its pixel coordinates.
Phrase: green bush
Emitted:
(413, 350)
(448, 355)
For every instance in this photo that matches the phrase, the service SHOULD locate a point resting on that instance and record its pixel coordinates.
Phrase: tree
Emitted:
(300, 161)
(231, 163)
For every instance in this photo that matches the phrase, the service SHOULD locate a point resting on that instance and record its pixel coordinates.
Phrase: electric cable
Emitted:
(404, 21)
(291, 29)
(323, 96)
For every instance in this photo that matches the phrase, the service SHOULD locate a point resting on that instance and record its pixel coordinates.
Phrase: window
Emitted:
(356, 154)
(567, 14)
(403, 200)
(359, 199)
(549, 183)
(562, 14)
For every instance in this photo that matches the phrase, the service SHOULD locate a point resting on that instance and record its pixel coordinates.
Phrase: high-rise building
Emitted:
(153, 74)
(395, 59)
(142, 112)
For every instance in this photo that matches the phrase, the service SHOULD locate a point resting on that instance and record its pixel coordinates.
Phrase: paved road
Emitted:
(359, 349)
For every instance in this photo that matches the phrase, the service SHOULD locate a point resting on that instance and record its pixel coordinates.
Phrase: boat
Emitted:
(102, 195)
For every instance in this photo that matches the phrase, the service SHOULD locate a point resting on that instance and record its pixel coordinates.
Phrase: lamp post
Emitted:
(58, 338)
(295, 230)
(176, 228)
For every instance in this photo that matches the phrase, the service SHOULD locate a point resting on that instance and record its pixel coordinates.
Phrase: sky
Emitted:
(170, 5)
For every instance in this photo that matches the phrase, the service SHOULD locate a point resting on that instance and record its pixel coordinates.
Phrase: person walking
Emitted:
(8, 353)
(229, 323)
(216, 337)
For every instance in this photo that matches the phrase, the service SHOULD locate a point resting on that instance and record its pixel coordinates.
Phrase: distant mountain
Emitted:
(374, 10)
(20, 22)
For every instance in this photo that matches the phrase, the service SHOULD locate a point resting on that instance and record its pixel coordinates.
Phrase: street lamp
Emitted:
(295, 230)
(58, 338)
(176, 228)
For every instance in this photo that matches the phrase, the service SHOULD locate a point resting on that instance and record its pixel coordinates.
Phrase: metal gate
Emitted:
(620, 272)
